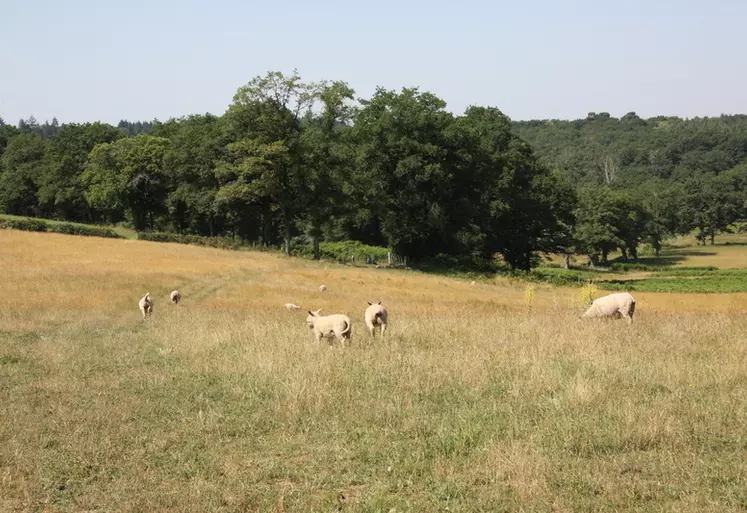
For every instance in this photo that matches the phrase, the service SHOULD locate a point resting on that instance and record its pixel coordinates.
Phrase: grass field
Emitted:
(476, 402)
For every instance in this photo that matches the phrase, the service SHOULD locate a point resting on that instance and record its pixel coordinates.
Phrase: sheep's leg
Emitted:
(371, 330)
(383, 329)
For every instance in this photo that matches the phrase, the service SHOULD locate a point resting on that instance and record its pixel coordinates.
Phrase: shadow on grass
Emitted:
(459, 266)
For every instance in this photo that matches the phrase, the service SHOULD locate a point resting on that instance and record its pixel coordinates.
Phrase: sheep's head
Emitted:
(310, 318)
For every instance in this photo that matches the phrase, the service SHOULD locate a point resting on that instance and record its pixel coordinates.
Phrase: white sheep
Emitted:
(291, 306)
(337, 325)
(146, 305)
(376, 315)
(322, 288)
(175, 296)
(616, 306)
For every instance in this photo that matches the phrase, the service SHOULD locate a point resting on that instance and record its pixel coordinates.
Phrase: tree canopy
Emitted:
(295, 162)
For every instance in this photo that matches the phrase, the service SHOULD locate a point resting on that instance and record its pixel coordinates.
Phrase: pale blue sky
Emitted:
(86, 60)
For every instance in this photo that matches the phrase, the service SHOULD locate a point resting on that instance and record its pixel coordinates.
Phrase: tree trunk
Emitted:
(315, 241)
(624, 254)
(701, 238)
(713, 237)
(287, 239)
(566, 260)
(604, 257)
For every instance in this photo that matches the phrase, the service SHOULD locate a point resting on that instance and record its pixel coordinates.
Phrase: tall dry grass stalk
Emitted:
(226, 403)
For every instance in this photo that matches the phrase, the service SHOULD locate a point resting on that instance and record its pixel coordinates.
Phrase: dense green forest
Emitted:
(293, 163)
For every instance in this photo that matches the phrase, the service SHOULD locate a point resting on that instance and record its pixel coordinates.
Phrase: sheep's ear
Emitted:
(369, 303)
(379, 303)
(311, 313)
(318, 311)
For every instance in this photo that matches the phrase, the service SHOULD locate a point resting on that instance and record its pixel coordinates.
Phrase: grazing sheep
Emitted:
(376, 315)
(175, 296)
(615, 306)
(322, 288)
(291, 306)
(146, 305)
(336, 325)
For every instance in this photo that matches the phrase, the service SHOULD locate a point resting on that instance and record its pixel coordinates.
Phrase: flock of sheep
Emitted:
(615, 306)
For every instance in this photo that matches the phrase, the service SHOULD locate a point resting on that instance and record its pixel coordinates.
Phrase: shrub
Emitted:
(29, 225)
(212, 242)
(80, 229)
(344, 251)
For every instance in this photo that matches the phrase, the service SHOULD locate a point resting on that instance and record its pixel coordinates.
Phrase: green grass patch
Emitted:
(714, 284)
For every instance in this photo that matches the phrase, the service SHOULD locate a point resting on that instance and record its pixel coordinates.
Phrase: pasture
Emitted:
(477, 401)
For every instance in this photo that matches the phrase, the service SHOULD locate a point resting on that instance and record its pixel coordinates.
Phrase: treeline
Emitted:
(643, 180)
(48, 130)
(292, 163)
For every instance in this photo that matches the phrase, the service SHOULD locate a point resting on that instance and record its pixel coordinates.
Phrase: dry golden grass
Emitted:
(474, 403)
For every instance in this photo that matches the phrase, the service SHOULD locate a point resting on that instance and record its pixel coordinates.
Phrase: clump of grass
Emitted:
(585, 296)
(529, 297)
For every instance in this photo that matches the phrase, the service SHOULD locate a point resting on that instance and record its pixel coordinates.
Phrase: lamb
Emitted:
(322, 288)
(376, 315)
(146, 305)
(291, 306)
(615, 306)
(175, 296)
(337, 325)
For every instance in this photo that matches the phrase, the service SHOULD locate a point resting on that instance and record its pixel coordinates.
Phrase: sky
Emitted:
(88, 60)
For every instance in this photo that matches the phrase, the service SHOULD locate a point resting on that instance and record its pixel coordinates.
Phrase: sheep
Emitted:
(615, 306)
(291, 306)
(322, 288)
(376, 315)
(337, 325)
(146, 305)
(175, 296)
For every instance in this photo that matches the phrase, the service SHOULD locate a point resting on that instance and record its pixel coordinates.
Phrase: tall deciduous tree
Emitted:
(598, 223)
(129, 177)
(22, 164)
(404, 169)
(326, 159)
(61, 192)
(264, 168)
(197, 144)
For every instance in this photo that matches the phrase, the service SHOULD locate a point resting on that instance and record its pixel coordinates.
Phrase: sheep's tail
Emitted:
(347, 328)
